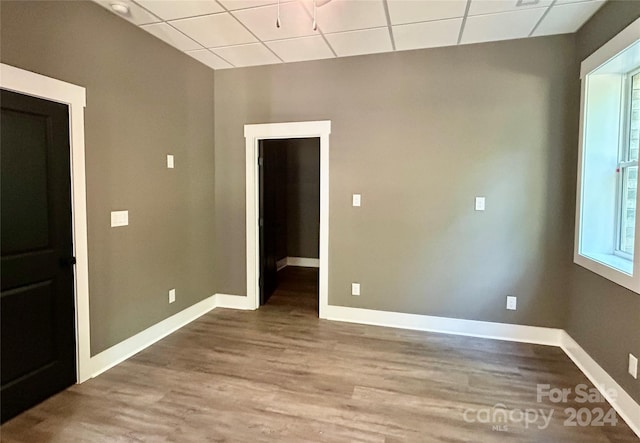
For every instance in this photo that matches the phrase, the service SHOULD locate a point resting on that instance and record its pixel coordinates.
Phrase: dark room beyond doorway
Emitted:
(289, 211)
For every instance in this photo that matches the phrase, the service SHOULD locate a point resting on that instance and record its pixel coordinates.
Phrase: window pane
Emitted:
(634, 128)
(628, 222)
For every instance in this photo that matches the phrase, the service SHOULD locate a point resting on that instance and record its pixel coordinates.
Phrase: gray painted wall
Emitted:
(144, 100)
(303, 198)
(419, 134)
(604, 318)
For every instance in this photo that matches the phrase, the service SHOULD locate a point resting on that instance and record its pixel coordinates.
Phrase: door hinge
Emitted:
(260, 282)
(260, 161)
(261, 221)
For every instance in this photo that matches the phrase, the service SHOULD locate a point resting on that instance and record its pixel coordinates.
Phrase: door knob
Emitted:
(68, 261)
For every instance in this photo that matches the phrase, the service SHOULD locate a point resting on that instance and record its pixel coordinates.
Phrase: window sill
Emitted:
(613, 261)
(612, 267)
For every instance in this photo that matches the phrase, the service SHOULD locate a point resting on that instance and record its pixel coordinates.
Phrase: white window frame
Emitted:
(627, 37)
(623, 161)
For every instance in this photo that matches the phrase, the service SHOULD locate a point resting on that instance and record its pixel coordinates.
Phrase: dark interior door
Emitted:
(268, 164)
(36, 300)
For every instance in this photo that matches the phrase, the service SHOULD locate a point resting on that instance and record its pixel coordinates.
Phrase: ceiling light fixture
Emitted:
(316, 4)
(315, 12)
(120, 8)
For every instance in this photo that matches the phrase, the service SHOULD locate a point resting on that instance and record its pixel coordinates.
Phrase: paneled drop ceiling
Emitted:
(225, 34)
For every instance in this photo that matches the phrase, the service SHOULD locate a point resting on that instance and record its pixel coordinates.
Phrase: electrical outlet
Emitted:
(119, 218)
(357, 199)
(512, 302)
(355, 288)
(170, 163)
(633, 366)
(480, 203)
(172, 295)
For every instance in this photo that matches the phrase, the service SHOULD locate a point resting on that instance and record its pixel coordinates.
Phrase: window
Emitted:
(606, 228)
(628, 169)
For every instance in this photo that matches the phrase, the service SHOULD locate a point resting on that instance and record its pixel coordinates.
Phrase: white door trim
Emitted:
(254, 133)
(30, 83)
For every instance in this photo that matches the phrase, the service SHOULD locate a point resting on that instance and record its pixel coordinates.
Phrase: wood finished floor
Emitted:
(281, 374)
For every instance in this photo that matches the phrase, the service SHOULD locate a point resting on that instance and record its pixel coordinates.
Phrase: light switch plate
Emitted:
(355, 288)
(169, 161)
(119, 218)
(479, 203)
(356, 199)
(633, 366)
(512, 302)
(172, 295)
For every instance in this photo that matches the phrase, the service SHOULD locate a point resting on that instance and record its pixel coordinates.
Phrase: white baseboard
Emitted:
(233, 302)
(473, 328)
(624, 405)
(131, 346)
(304, 262)
(298, 261)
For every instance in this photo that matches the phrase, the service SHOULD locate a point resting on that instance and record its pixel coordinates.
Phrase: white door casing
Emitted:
(253, 134)
(36, 85)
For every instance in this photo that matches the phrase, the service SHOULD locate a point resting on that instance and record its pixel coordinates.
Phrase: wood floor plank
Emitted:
(281, 374)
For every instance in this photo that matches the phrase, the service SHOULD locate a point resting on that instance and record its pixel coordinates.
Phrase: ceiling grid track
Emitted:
(220, 57)
(542, 18)
(203, 48)
(335, 55)
(386, 12)
(241, 31)
(464, 21)
(250, 32)
(168, 23)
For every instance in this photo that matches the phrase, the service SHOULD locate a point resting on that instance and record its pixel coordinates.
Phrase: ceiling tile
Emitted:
(137, 14)
(566, 18)
(232, 5)
(564, 2)
(215, 30)
(209, 58)
(294, 21)
(412, 11)
(350, 27)
(172, 36)
(247, 55)
(427, 35)
(349, 15)
(299, 49)
(173, 9)
(479, 7)
(368, 41)
(505, 26)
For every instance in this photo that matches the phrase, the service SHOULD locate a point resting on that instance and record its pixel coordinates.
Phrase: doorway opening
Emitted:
(256, 136)
(289, 219)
